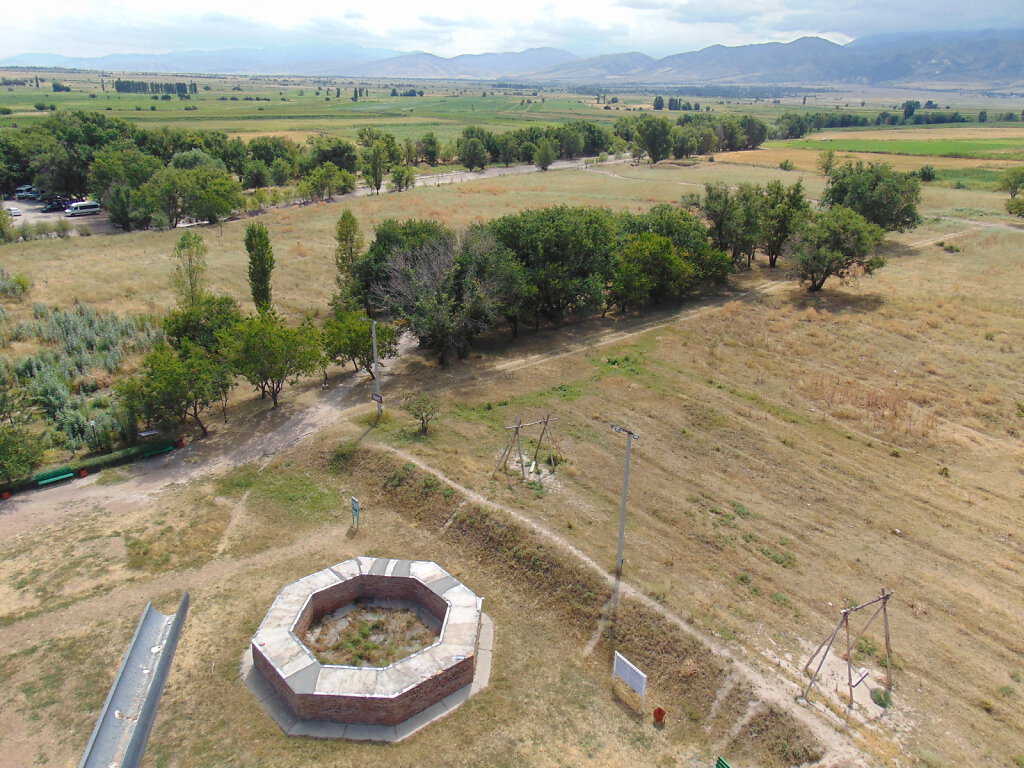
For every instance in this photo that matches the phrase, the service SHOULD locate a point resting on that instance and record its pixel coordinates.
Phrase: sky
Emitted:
(451, 27)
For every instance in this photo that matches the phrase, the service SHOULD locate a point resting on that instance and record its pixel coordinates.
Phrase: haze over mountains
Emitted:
(990, 58)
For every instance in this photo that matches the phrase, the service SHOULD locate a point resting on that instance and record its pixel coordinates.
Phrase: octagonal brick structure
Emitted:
(369, 695)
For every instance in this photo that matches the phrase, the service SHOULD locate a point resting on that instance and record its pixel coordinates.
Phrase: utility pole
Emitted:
(376, 367)
(630, 437)
(376, 372)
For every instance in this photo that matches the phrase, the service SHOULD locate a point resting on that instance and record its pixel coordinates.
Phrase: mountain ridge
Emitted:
(988, 58)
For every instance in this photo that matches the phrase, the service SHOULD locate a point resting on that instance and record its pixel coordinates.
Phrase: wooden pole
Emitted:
(827, 645)
(503, 461)
(540, 440)
(519, 446)
(849, 657)
(888, 649)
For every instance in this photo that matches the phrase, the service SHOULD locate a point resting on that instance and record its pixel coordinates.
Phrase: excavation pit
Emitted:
(369, 643)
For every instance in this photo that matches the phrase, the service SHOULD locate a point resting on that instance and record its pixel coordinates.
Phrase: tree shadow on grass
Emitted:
(838, 299)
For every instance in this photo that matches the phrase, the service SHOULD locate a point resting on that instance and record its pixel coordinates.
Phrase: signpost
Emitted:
(631, 675)
(356, 512)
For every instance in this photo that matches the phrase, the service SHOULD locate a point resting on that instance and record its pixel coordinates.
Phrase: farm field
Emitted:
(797, 454)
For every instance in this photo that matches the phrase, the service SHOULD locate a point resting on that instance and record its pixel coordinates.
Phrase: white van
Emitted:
(88, 208)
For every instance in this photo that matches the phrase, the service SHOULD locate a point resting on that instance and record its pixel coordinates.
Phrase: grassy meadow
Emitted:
(797, 454)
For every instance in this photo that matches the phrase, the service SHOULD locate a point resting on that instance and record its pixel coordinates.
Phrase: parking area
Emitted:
(32, 213)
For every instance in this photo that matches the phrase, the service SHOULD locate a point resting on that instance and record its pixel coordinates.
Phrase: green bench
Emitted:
(722, 763)
(54, 476)
(157, 451)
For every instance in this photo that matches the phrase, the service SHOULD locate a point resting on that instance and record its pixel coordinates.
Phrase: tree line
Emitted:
(447, 288)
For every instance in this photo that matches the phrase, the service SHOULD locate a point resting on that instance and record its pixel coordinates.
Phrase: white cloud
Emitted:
(449, 27)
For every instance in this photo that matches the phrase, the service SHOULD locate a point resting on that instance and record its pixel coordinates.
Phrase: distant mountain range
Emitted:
(979, 59)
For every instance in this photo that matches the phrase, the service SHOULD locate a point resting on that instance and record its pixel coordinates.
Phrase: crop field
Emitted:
(797, 454)
(981, 149)
(253, 106)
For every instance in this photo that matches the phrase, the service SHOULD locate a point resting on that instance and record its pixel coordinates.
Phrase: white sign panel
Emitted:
(631, 676)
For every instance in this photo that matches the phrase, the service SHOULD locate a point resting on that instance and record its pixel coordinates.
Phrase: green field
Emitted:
(295, 105)
(978, 149)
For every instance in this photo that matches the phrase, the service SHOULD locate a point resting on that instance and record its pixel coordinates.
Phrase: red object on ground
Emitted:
(5, 495)
(181, 443)
(83, 472)
(659, 715)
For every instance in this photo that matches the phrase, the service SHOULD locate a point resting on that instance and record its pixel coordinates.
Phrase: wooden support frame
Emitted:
(851, 642)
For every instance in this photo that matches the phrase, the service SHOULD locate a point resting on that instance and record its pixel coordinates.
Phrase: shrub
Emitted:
(881, 697)
(83, 230)
(927, 173)
(787, 165)
(14, 286)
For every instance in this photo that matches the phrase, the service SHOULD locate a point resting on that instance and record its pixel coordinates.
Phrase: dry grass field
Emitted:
(797, 454)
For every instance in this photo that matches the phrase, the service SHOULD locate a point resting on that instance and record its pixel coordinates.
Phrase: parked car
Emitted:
(14, 211)
(88, 208)
(57, 204)
(26, 192)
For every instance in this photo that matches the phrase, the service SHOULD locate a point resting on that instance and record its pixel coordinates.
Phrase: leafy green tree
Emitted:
(654, 134)
(340, 152)
(7, 231)
(1015, 206)
(545, 154)
(391, 236)
(128, 208)
(646, 268)
(835, 242)
(782, 211)
(473, 154)
(424, 407)
(688, 236)
(183, 382)
(189, 279)
(375, 165)
(167, 192)
(566, 254)
(403, 177)
(269, 354)
(348, 248)
(659, 103)
(20, 453)
(212, 194)
(255, 174)
(528, 154)
(201, 323)
(880, 194)
(347, 337)
(267, 149)
(325, 180)
(1012, 181)
(120, 164)
(507, 147)
(495, 278)
(261, 265)
(827, 161)
(280, 172)
(430, 148)
(196, 158)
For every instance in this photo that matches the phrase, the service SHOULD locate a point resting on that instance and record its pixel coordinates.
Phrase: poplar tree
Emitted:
(261, 264)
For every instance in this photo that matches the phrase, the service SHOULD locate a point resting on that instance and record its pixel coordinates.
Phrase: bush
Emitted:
(927, 173)
(881, 697)
(83, 230)
(787, 165)
(14, 286)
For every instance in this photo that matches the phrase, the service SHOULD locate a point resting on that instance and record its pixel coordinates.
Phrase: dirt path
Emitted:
(307, 412)
(772, 690)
